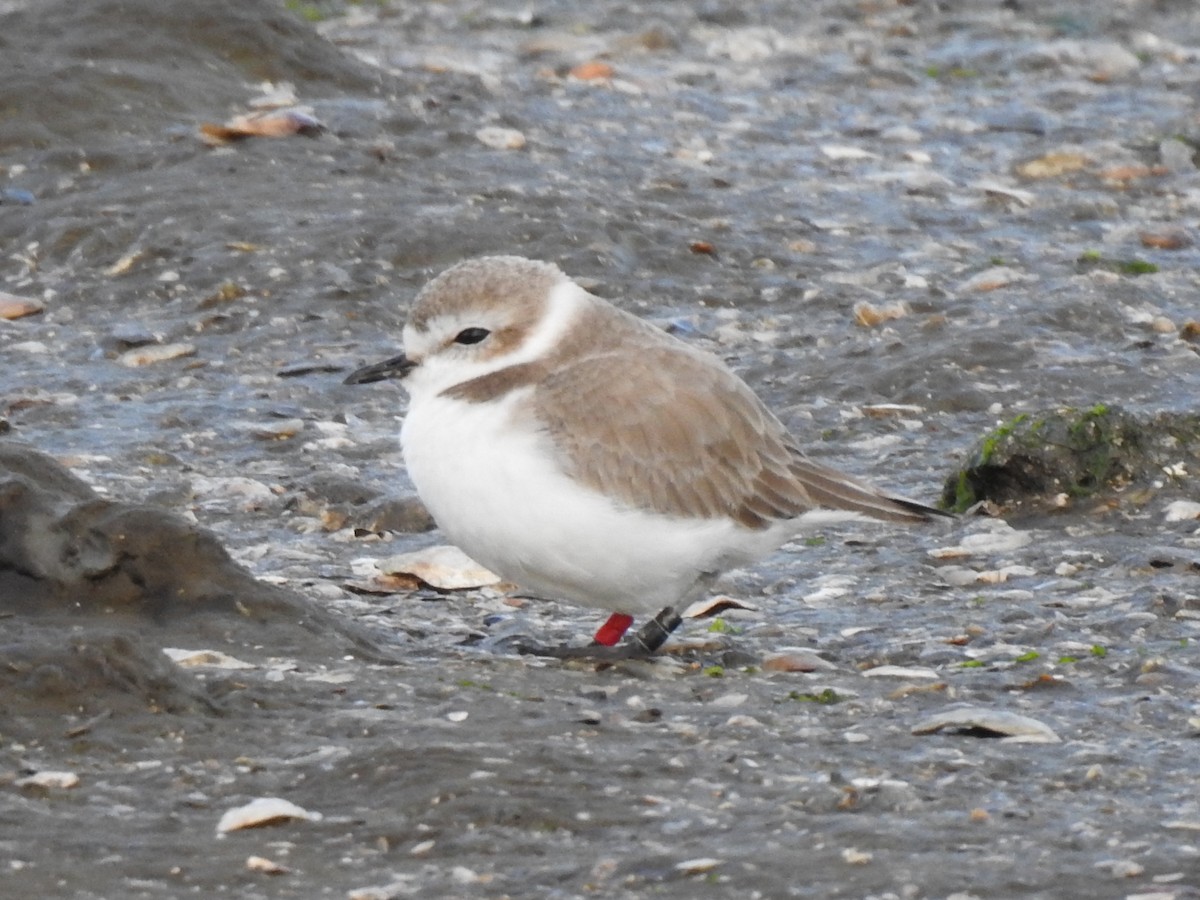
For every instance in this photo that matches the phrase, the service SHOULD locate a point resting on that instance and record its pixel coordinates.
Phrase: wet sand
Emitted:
(903, 224)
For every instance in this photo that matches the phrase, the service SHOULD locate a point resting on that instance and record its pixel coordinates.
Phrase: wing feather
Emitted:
(661, 426)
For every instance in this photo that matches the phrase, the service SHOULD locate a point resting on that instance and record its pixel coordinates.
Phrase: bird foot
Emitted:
(591, 652)
(642, 645)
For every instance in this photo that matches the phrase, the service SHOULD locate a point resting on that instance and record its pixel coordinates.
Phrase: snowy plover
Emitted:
(589, 456)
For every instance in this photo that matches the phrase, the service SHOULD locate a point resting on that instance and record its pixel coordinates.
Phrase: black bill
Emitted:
(396, 367)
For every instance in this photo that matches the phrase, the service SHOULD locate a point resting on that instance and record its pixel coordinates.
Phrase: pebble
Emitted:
(891, 410)
(1122, 868)
(279, 430)
(500, 138)
(869, 315)
(1003, 539)
(49, 779)
(214, 659)
(1101, 60)
(1177, 156)
(463, 875)
(697, 866)
(30, 347)
(595, 70)
(1053, 165)
(144, 356)
(133, 334)
(841, 152)
(250, 494)
(996, 189)
(900, 672)
(992, 279)
(727, 701)
(1182, 511)
(382, 892)
(19, 196)
(795, 661)
(743, 721)
(1162, 325)
(266, 866)
(14, 307)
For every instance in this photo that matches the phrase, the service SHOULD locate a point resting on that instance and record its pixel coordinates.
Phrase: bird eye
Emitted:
(471, 335)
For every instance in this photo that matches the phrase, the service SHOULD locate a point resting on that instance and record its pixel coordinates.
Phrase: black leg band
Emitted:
(654, 633)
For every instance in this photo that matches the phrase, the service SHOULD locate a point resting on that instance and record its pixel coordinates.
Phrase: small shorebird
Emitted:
(591, 457)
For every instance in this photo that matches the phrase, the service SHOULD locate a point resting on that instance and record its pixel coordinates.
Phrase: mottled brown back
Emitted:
(666, 428)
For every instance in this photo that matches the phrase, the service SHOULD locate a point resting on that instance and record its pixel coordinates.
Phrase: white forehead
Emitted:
(495, 286)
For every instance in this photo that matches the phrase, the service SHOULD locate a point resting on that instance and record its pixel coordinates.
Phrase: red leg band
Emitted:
(610, 632)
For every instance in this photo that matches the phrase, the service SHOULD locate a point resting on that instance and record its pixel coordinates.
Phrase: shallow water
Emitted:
(831, 153)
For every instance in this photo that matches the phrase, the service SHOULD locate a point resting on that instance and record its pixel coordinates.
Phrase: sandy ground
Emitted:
(903, 223)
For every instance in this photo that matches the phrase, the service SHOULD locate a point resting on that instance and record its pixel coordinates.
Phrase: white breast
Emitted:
(495, 490)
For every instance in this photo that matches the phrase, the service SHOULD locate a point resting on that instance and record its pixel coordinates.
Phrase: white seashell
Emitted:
(49, 780)
(1015, 728)
(264, 811)
(144, 356)
(212, 658)
(446, 568)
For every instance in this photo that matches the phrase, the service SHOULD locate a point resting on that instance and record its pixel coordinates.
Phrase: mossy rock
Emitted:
(1077, 452)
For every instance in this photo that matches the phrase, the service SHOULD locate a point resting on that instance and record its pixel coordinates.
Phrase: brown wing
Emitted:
(668, 429)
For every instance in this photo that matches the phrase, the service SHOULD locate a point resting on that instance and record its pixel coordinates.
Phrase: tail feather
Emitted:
(830, 489)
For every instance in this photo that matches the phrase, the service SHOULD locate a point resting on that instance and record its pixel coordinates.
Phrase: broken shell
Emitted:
(266, 866)
(697, 866)
(267, 123)
(891, 410)
(48, 779)
(444, 567)
(1182, 511)
(500, 138)
(1006, 725)
(124, 264)
(900, 672)
(211, 658)
(995, 189)
(1053, 165)
(595, 70)
(795, 661)
(842, 152)
(264, 811)
(144, 356)
(14, 307)
(869, 315)
(712, 606)
(992, 279)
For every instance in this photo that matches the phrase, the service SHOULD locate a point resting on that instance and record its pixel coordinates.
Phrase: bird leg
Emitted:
(644, 643)
(654, 633)
(611, 631)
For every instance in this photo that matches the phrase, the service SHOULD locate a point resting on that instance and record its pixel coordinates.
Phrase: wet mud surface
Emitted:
(904, 224)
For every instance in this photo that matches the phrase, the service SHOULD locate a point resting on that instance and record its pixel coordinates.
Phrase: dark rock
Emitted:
(89, 675)
(62, 86)
(67, 553)
(407, 515)
(1077, 452)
